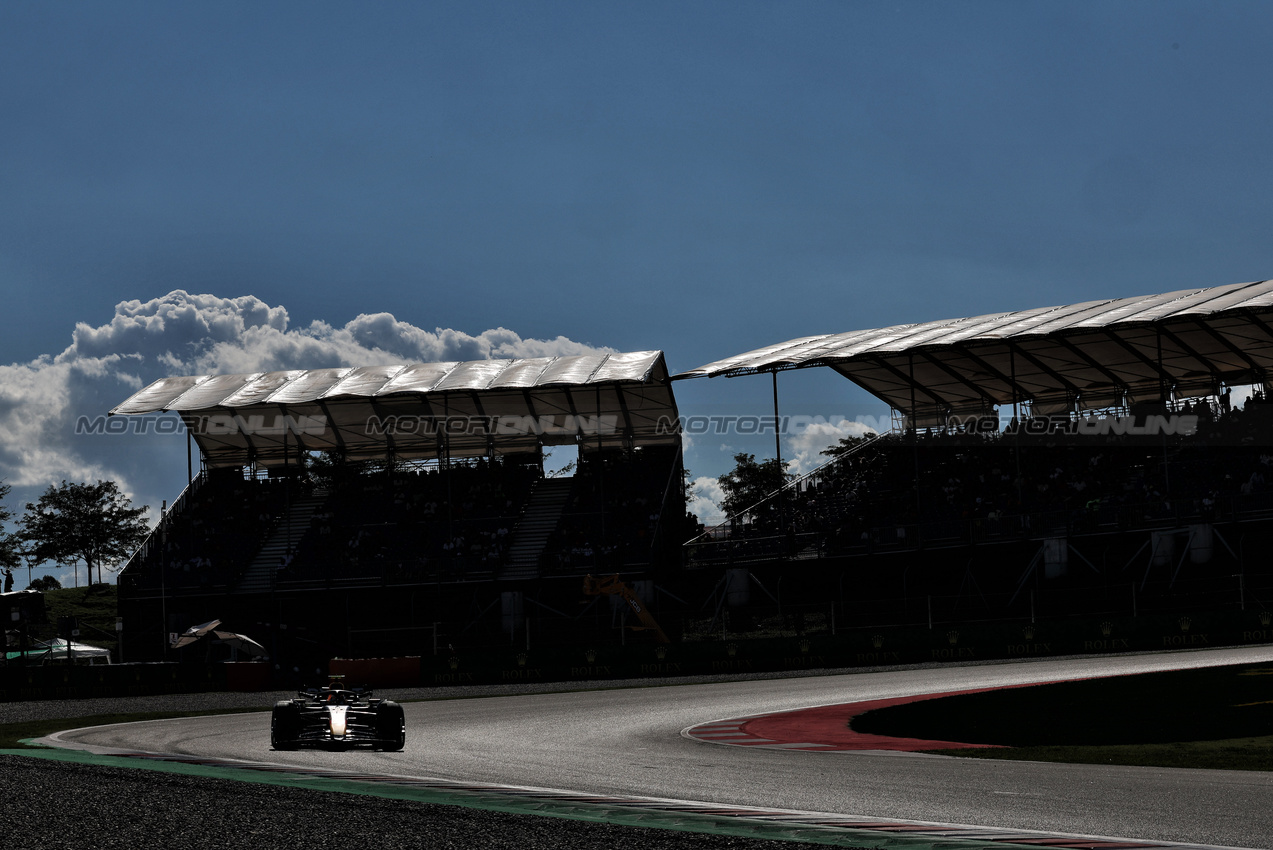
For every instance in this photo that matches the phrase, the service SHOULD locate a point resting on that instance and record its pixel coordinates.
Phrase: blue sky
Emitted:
(501, 178)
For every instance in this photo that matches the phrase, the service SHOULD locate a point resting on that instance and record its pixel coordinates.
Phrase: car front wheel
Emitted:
(391, 726)
(285, 725)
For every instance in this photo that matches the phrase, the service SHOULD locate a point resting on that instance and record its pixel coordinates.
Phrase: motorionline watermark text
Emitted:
(1089, 426)
(1154, 425)
(375, 426)
(754, 424)
(607, 424)
(495, 425)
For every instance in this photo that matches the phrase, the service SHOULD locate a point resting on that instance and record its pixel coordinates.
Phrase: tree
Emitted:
(10, 543)
(691, 527)
(45, 584)
(750, 482)
(847, 445)
(93, 523)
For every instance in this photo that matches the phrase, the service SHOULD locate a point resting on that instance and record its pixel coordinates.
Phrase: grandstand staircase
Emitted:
(260, 574)
(538, 522)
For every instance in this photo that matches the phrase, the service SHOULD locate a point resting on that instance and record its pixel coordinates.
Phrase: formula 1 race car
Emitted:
(333, 716)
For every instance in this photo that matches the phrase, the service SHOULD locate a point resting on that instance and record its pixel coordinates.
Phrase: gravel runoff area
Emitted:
(50, 804)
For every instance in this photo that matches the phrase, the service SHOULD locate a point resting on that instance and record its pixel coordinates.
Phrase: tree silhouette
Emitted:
(750, 482)
(93, 523)
(10, 543)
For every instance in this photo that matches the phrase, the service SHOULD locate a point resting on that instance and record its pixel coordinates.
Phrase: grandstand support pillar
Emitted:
(919, 513)
(777, 432)
(287, 492)
(444, 463)
(1164, 390)
(601, 474)
(163, 581)
(782, 501)
(841, 585)
(336, 434)
(1241, 566)
(445, 435)
(1016, 423)
(1016, 396)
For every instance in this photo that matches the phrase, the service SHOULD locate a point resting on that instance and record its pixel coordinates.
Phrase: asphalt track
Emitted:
(636, 743)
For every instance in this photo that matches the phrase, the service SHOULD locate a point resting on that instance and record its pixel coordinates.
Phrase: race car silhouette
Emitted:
(334, 716)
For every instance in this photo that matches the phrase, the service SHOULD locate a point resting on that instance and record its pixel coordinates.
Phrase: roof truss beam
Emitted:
(1066, 383)
(909, 382)
(976, 388)
(1018, 391)
(1228, 343)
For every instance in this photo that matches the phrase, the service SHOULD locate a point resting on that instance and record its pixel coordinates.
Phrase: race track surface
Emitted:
(629, 742)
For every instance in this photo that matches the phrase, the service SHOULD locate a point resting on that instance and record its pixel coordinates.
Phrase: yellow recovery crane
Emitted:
(614, 586)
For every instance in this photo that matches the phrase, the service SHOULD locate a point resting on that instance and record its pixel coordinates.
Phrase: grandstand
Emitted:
(1080, 452)
(1086, 460)
(318, 491)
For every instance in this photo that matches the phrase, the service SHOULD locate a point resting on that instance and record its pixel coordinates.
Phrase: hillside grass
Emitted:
(96, 607)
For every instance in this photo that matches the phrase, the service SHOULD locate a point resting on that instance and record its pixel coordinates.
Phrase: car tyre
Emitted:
(285, 725)
(391, 726)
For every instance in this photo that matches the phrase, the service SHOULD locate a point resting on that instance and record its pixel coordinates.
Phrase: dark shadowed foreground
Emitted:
(56, 805)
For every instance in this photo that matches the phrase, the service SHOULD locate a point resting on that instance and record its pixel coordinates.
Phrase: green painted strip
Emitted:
(494, 802)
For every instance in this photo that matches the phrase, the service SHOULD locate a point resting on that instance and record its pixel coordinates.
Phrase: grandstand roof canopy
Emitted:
(422, 410)
(1093, 355)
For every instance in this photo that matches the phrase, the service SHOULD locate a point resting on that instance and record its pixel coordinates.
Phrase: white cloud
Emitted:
(807, 444)
(36, 420)
(209, 334)
(187, 334)
(1239, 396)
(706, 496)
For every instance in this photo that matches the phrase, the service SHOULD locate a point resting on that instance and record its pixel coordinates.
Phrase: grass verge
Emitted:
(12, 734)
(1213, 718)
(1228, 754)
